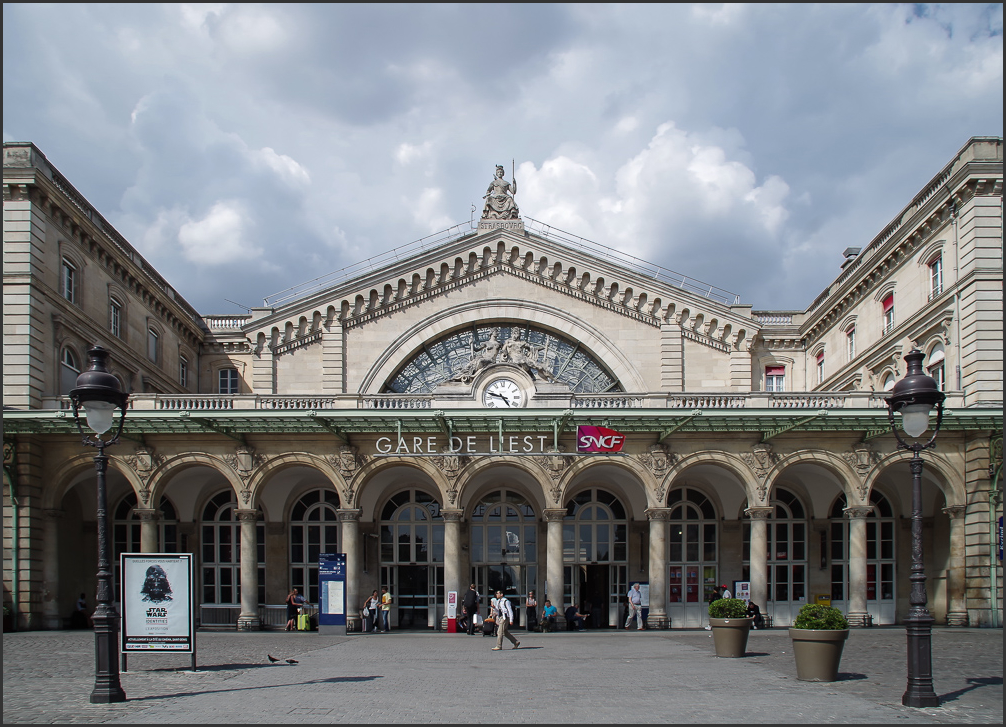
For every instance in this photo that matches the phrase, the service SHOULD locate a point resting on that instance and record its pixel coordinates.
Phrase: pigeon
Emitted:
(272, 658)
(292, 661)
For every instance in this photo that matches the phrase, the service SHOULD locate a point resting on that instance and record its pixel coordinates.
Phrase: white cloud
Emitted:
(407, 153)
(218, 238)
(286, 167)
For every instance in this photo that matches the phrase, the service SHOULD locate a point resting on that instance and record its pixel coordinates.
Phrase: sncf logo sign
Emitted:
(598, 439)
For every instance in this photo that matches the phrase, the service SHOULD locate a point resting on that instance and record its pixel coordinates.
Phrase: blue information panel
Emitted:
(332, 586)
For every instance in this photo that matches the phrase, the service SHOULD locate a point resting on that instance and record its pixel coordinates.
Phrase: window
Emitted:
(889, 382)
(314, 529)
(221, 544)
(115, 317)
(183, 371)
(850, 342)
(69, 281)
(935, 276)
(935, 366)
(228, 381)
(691, 547)
(820, 367)
(153, 344)
(888, 313)
(69, 369)
(775, 378)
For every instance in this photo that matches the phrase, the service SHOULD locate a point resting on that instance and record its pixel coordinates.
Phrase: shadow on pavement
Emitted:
(974, 683)
(330, 680)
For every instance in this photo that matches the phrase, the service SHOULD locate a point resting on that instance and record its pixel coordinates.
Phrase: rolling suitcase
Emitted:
(489, 627)
(303, 622)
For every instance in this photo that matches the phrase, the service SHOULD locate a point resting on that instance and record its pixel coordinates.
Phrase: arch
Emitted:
(545, 317)
(828, 460)
(172, 466)
(71, 468)
(955, 491)
(263, 473)
(728, 461)
(476, 478)
(367, 491)
(595, 472)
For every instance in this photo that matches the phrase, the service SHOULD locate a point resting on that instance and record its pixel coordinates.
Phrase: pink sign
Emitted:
(598, 439)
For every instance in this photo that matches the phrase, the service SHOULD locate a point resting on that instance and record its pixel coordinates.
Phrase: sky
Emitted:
(244, 149)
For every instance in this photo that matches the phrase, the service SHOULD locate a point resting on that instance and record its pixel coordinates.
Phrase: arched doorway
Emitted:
(504, 547)
(220, 564)
(595, 556)
(314, 529)
(126, 530)
(787, 556)
(881, 599)
(692, 542)
(412, 557)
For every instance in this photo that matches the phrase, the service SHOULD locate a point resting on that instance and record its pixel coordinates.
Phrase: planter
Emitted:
(730, 635)
(818, 653)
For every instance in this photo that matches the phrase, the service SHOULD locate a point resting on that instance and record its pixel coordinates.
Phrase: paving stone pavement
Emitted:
(589, 677)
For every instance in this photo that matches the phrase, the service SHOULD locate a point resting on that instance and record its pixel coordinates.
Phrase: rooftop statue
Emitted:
(485, 356)
(500, 204)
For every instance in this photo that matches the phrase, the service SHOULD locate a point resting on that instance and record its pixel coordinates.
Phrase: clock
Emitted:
(503, 394)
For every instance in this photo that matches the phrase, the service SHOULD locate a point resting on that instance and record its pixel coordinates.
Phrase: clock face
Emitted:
(502, 394)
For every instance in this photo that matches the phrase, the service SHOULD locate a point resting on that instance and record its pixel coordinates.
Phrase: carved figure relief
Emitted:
(500, 204)
(657, 459)
(760, 459)
(143, 462)
(483, 358)
(524, 354)
(862, 458)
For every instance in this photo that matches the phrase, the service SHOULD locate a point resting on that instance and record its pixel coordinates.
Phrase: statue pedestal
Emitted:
(508, 225)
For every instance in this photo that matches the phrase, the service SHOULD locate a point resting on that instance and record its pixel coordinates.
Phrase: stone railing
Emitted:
(754, 400)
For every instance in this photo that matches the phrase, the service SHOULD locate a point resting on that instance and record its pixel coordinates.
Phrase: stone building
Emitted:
(427, 416)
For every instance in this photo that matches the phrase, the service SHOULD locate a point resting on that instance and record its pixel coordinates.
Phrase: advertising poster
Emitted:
(156, 601)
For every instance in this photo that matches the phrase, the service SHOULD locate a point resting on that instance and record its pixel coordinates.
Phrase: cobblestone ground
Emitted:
(589, 677)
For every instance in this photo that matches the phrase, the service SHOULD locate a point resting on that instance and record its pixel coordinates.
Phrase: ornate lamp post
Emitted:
(99, 394)
(914, 398)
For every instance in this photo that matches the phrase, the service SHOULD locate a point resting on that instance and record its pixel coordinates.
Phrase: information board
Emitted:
(332, 589)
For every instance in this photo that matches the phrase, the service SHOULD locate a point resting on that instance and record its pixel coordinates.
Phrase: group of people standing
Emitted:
(377, 612)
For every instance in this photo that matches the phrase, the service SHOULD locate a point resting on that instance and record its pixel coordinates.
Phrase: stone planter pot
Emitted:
(818, 653)
(730, 635)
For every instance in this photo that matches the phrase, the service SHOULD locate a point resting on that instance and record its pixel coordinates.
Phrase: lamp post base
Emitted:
(920, 691)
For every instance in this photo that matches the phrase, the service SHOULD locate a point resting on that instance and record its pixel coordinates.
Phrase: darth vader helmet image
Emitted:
(156, 588)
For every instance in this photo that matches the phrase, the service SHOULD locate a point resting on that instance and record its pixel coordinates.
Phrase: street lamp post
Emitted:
(914, 398)
(99, 394)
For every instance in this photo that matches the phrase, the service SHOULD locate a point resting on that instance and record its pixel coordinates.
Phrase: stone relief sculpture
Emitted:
(485, 356)
(500, 204)
(520, 352)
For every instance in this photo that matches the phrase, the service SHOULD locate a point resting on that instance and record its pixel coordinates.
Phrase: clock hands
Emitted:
(499, 396)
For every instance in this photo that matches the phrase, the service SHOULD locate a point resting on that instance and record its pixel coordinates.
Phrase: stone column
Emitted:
(352, 547)
(957, 608)
(554, 564)
(657, 618)
(52, 609)
(149, 540)
(759, 554)
(452, 554)
(857, 615)
(248, 619)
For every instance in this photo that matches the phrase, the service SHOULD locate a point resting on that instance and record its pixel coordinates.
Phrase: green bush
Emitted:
(728, 608)
(819, 616)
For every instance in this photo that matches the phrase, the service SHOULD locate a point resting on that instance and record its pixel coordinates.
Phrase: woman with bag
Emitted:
(293, 603)
(370, 608)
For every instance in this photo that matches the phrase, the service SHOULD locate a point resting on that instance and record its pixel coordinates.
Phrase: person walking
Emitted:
(293, 603)
(504, 617)
(370, 612)
(635, 598)
(470, 605)
(386, 600)
(532, 612)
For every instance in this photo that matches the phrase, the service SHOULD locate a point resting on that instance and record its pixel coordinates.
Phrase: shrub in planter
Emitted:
(819, 635)
(730, 626)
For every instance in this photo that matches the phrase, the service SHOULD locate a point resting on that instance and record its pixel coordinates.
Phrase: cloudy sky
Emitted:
(243, 149)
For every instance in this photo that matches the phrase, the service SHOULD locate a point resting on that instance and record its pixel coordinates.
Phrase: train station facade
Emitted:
(514, 406)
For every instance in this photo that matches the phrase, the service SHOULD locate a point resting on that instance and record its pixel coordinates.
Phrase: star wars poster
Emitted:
(157, 602)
